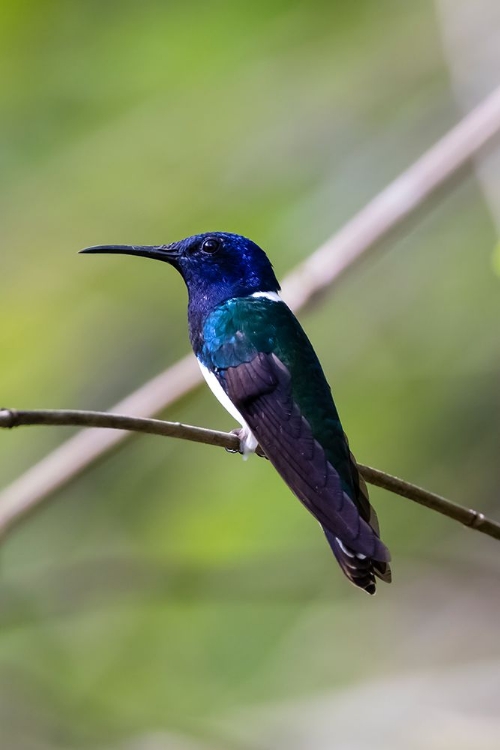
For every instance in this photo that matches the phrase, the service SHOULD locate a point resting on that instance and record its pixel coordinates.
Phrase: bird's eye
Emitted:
(211, 245)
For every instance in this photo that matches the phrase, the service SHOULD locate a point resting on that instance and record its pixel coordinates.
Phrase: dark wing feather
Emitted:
(262, 392)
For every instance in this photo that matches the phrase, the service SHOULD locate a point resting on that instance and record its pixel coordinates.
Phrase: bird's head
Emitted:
(216, 266)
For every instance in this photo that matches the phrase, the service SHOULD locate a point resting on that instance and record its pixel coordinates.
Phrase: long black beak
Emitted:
(167, 253)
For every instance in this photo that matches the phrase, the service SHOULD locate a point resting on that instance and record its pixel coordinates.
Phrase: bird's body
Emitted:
(260, 364)
(239, 329)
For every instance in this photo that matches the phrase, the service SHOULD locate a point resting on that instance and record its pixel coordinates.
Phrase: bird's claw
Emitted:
(240, 434)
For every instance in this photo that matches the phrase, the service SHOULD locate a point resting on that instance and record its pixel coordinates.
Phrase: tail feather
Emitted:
(359, 569)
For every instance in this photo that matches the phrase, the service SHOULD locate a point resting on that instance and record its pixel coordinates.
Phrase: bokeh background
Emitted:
(175, 597)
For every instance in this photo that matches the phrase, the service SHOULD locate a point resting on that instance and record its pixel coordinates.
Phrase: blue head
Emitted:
(216, 266)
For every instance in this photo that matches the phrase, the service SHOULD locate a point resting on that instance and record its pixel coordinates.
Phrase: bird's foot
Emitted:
(248, 443)
(237, 433)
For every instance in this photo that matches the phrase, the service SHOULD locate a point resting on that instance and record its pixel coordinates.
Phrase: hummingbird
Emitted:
(261, 366)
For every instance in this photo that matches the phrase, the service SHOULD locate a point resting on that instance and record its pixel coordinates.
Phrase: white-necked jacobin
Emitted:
(261, 366)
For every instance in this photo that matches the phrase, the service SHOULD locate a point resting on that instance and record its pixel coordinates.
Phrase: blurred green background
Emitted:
(175, 597)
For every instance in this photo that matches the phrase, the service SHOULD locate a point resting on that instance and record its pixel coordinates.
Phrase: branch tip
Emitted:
(8, 418)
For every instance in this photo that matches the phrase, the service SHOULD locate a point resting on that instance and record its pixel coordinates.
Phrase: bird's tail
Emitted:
(359, 569)
(362, 570)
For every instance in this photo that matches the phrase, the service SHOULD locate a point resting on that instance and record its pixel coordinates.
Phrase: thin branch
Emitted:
(325, 266)
(70, 459)
(9, 418)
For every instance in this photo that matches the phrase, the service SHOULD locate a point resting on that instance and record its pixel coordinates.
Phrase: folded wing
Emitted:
(261, 390)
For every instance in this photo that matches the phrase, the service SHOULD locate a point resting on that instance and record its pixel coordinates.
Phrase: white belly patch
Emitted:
(248, 440)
